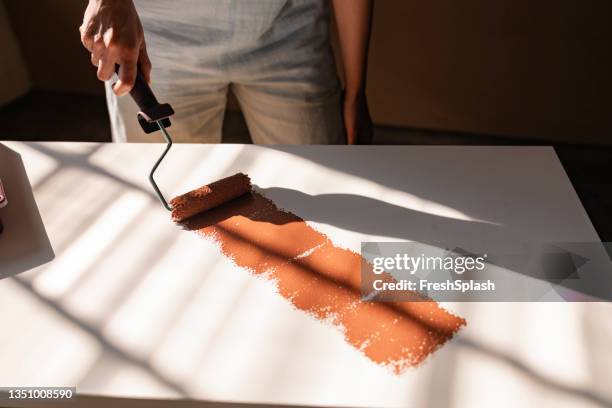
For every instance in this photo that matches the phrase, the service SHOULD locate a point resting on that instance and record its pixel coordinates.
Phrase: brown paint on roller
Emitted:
(324, 280)
(210, 196)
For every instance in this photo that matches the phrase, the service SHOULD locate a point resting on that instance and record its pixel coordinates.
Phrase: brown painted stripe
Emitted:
(324, 281)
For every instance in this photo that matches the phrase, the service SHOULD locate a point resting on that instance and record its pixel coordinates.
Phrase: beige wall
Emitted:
(539, 69)
(531, 69)
(13, 72)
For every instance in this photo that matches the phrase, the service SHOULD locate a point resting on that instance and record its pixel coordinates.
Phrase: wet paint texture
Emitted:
(324, 281)
(210, 196)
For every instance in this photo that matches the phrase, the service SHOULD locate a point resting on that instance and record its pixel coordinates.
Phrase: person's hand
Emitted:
(357, 120)
(112, 32)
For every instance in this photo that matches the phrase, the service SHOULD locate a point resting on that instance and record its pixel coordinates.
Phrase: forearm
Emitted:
(354, 21)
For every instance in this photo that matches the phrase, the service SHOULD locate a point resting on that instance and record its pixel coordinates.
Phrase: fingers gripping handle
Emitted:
(142, 93)
(151, 111)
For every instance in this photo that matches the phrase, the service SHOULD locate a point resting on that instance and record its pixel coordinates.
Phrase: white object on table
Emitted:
(24, 243)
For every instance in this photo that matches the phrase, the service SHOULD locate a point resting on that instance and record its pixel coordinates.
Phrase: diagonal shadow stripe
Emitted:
(102, 340)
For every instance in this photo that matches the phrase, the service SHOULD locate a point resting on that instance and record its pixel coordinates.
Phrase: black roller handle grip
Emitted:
(151, 111)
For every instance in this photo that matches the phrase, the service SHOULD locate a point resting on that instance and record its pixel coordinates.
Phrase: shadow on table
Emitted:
(444, 370)
(446, 374)
(451, 177)
(505, 246)
(524, 369)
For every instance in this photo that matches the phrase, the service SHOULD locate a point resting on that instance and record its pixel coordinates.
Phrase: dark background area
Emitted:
(516, 68)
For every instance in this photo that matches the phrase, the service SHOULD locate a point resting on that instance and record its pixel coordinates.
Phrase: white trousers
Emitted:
(274, 54)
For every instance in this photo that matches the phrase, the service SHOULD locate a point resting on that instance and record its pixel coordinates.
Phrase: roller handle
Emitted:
(142, 93)
(151, 110)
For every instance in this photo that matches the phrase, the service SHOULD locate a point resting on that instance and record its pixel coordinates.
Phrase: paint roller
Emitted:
(154, 117)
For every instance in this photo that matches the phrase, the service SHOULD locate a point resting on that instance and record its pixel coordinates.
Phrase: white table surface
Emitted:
(132, 306)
